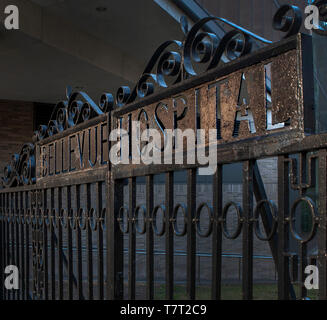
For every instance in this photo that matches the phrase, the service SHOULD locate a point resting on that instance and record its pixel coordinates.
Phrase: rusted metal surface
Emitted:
(83, 150)
(227, 103)
(219, 100)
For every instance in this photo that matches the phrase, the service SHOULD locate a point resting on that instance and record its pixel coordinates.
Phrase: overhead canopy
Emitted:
(95, 46)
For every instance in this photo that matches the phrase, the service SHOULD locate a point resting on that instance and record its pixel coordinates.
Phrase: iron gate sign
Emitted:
(255, 99)
(258, 96)
(238, 97)
(84, 149)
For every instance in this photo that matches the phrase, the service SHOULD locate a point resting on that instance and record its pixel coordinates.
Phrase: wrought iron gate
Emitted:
(66, 209)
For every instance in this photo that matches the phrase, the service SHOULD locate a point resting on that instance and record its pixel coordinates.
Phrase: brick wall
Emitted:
(16, 128)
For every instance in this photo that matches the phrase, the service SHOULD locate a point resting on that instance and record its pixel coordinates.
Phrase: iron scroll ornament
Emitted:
(21, 170)
(174, 60)
(204, 48)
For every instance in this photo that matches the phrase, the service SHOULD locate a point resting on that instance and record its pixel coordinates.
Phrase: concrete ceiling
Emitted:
(70, 42)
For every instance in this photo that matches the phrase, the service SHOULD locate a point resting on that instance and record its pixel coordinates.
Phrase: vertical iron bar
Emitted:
(169, 236)
(79, 243)
(12, 238)
(70, 244)
(247, 266)
(45, 244)
(115, 243)
(191, 235)
(132, 238)
(149, 240)
(283, 214)
(9, 237)
(303, 245)
(23, 244)
(3, 243)
(52, 244)
(27, 237)
(89, 242)
(100, 240)
(59, 247)
(303, 264)
(17, 263)
(8, 197)
(6, 236)
(322, 233)
(217, 233)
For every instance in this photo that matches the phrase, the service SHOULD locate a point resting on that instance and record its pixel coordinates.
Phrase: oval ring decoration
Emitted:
(63, 218)
(313, 215)
(239, 212)
(93, 221)
(72, 219)
(82, 218)
(120, 219)
(198, 220)
(154, 220)
(180, 233)
(140, 229)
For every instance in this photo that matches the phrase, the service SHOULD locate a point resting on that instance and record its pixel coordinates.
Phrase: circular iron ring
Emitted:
(312, 208)
(198, 218)
(120, 219)
(239, 220)
(154, 220)
(136, 217)
(180, 233)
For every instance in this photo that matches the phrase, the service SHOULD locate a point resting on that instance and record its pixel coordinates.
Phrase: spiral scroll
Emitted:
(290, 24)
(78, 108)
(21, 170)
